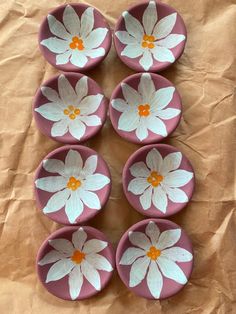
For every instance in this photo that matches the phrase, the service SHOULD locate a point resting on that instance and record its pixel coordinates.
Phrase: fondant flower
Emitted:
(151, 39)
(154, 257)
(74, 186)
(145, 109)
(75, 40)
(159, 179)
(77, 259)
(71, 109)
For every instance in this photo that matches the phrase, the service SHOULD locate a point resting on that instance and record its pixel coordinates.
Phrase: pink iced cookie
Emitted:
(154, 258)
(158, 180)
(72, 184)
(145, 108)
(74, 263)
(70, 108)
(150, 36)
(74, 37)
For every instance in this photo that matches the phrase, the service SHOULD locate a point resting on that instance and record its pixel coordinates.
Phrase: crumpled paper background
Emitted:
(205, 77)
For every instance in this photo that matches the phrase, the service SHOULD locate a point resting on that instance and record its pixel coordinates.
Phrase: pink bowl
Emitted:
(154, 258)
(72, 184)
(75, 263)
(70, 108)
(150, 36)
(145, 108)
(158, 180)
(74, 37)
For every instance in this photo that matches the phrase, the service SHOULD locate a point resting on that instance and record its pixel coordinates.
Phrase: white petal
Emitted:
(168, 238)
(146, 198)
(51, 257)
(154, 280)
(138, 271)
(140, 240)
(177, 254)
(171, 270)
(154, 160)
(146, 87)
(59, 128)
(171, 40)
(125, 38)
(128, 120)
(57, 201)
(155, 125)
(78, 58)
(71, 20)
(50, 94)
(138, 185)
(132, 51)
(87, 22)
(165, 26)
(119, 104)
(153, 232)
(91, 274)
(74, 207)
(178, 178)
(139, 169)
(75, 282)
(171, 162)
(81, 88)
(146, 61)
(55, 45)
(168, 113)
(95, 38)
(133, 26)
(90, 199)
(73, 163)
(66, 91)
(63, 246)
(99, 262)
(92, 120)
(78, 238)
(176, 195)
(94, 246)
(63, 58)
(90, 166)
(130, 255)
(159, 199)
(77, 129)
(90, 104)
(142, 129)
(96, 182)
(50, 111)
(57, 28)
(163, 54)
(150, 17)
(162, 97)
(95, 53)
(59, 270)
(54, 166)
(51, 184)
(131, 95)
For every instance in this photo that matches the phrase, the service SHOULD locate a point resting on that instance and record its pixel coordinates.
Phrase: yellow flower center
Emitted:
(77, 257)
(73, 184)
(144, 110)
(148, 41)
(77, 43)
(153, 253)
(155, 179)
(71, 112)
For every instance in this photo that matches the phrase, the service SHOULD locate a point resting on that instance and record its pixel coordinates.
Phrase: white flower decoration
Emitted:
(144, 109)
(75, 40)
(70, 110)
(152, 39)
(74, 185)
(159, 180)
(77, 259)
(155, 255)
